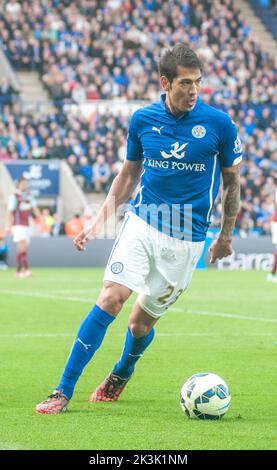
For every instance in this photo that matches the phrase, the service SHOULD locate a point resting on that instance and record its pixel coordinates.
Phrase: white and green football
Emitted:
(205, 396)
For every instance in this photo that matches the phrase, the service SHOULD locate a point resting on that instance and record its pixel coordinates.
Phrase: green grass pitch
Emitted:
(225, 323)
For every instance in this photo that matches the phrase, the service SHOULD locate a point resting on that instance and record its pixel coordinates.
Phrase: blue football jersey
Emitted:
(182, 157)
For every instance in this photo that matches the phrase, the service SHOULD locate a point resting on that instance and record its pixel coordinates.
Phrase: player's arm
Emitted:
(120, 192)
(222, 246)
(12, 203)
(9, 223)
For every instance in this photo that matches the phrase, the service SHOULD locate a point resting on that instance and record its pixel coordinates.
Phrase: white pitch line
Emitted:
(65, 291)
(11, 446)
(227, 315)
(45, 295)
(35, 335)
(62, 291)
(66, 335)
(32, 281)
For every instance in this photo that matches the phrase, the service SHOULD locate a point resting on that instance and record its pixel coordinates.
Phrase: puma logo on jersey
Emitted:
(176, 151)
(157, 129)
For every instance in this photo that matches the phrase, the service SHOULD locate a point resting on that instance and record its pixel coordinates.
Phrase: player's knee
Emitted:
(139, 329)
(111, 300)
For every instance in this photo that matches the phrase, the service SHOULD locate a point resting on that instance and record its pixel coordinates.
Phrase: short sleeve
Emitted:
(134, 147)
(12, 204)
(230, 149)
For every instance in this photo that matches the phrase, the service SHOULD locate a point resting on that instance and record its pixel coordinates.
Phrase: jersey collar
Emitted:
(182, 115)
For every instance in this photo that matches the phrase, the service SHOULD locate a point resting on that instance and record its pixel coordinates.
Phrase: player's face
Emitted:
(182, 92)
(23, 185)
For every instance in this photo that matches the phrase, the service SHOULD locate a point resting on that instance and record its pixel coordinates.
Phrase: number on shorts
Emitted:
(164, 298)
(176, 297)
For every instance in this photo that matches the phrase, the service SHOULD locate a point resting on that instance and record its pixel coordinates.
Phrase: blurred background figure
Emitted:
(89, 215)
(272, 276)
(3, 253)
(44, 223)
(21, 206)
(58, 226)
(101, 173)
(74, 226)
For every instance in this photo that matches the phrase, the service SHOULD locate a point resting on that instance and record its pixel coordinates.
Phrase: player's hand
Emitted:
(220, 248)
(84, 236)
(7, 231)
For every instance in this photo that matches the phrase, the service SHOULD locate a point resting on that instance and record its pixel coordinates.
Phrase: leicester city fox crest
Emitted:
(117, 267)
(198, 131)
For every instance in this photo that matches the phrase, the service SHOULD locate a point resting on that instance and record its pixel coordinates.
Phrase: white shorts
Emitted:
(158, 267)
(20, 233)
(273, 226)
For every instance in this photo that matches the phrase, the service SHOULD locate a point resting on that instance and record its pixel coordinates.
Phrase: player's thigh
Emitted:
(21, 234)
(129, 261)
(21, 246)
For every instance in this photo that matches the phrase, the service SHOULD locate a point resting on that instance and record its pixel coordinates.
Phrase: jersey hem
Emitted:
(192, 239)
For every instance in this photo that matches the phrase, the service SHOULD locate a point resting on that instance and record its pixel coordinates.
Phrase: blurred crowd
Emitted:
(89, 50)
(49, 224)
(268, 4)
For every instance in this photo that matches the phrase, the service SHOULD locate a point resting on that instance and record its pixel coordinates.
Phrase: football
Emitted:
(205, 396)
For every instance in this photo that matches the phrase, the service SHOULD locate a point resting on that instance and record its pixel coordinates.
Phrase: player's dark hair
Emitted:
(181, 55)
(22, 178)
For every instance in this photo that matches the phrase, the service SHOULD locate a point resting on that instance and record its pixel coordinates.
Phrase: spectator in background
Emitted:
(44, 223)
(85, 177)
(74, 165)
(13, 8)
(58, 227)
(21, 146)
(6, 92)
(74, 226)
(114, 170)
(52, 150)
(47, 216)
(88, 217)
(101, 174)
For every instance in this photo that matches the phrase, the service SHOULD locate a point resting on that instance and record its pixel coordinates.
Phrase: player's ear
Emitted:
(164, 82)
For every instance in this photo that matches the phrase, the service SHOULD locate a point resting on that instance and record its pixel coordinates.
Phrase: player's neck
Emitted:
(175, 111)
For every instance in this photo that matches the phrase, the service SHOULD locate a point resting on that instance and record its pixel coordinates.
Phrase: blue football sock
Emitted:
(132, 351)
(87, 341)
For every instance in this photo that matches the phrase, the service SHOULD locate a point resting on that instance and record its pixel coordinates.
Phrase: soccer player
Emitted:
(272, 277)
(177, 148)
(21, 205)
